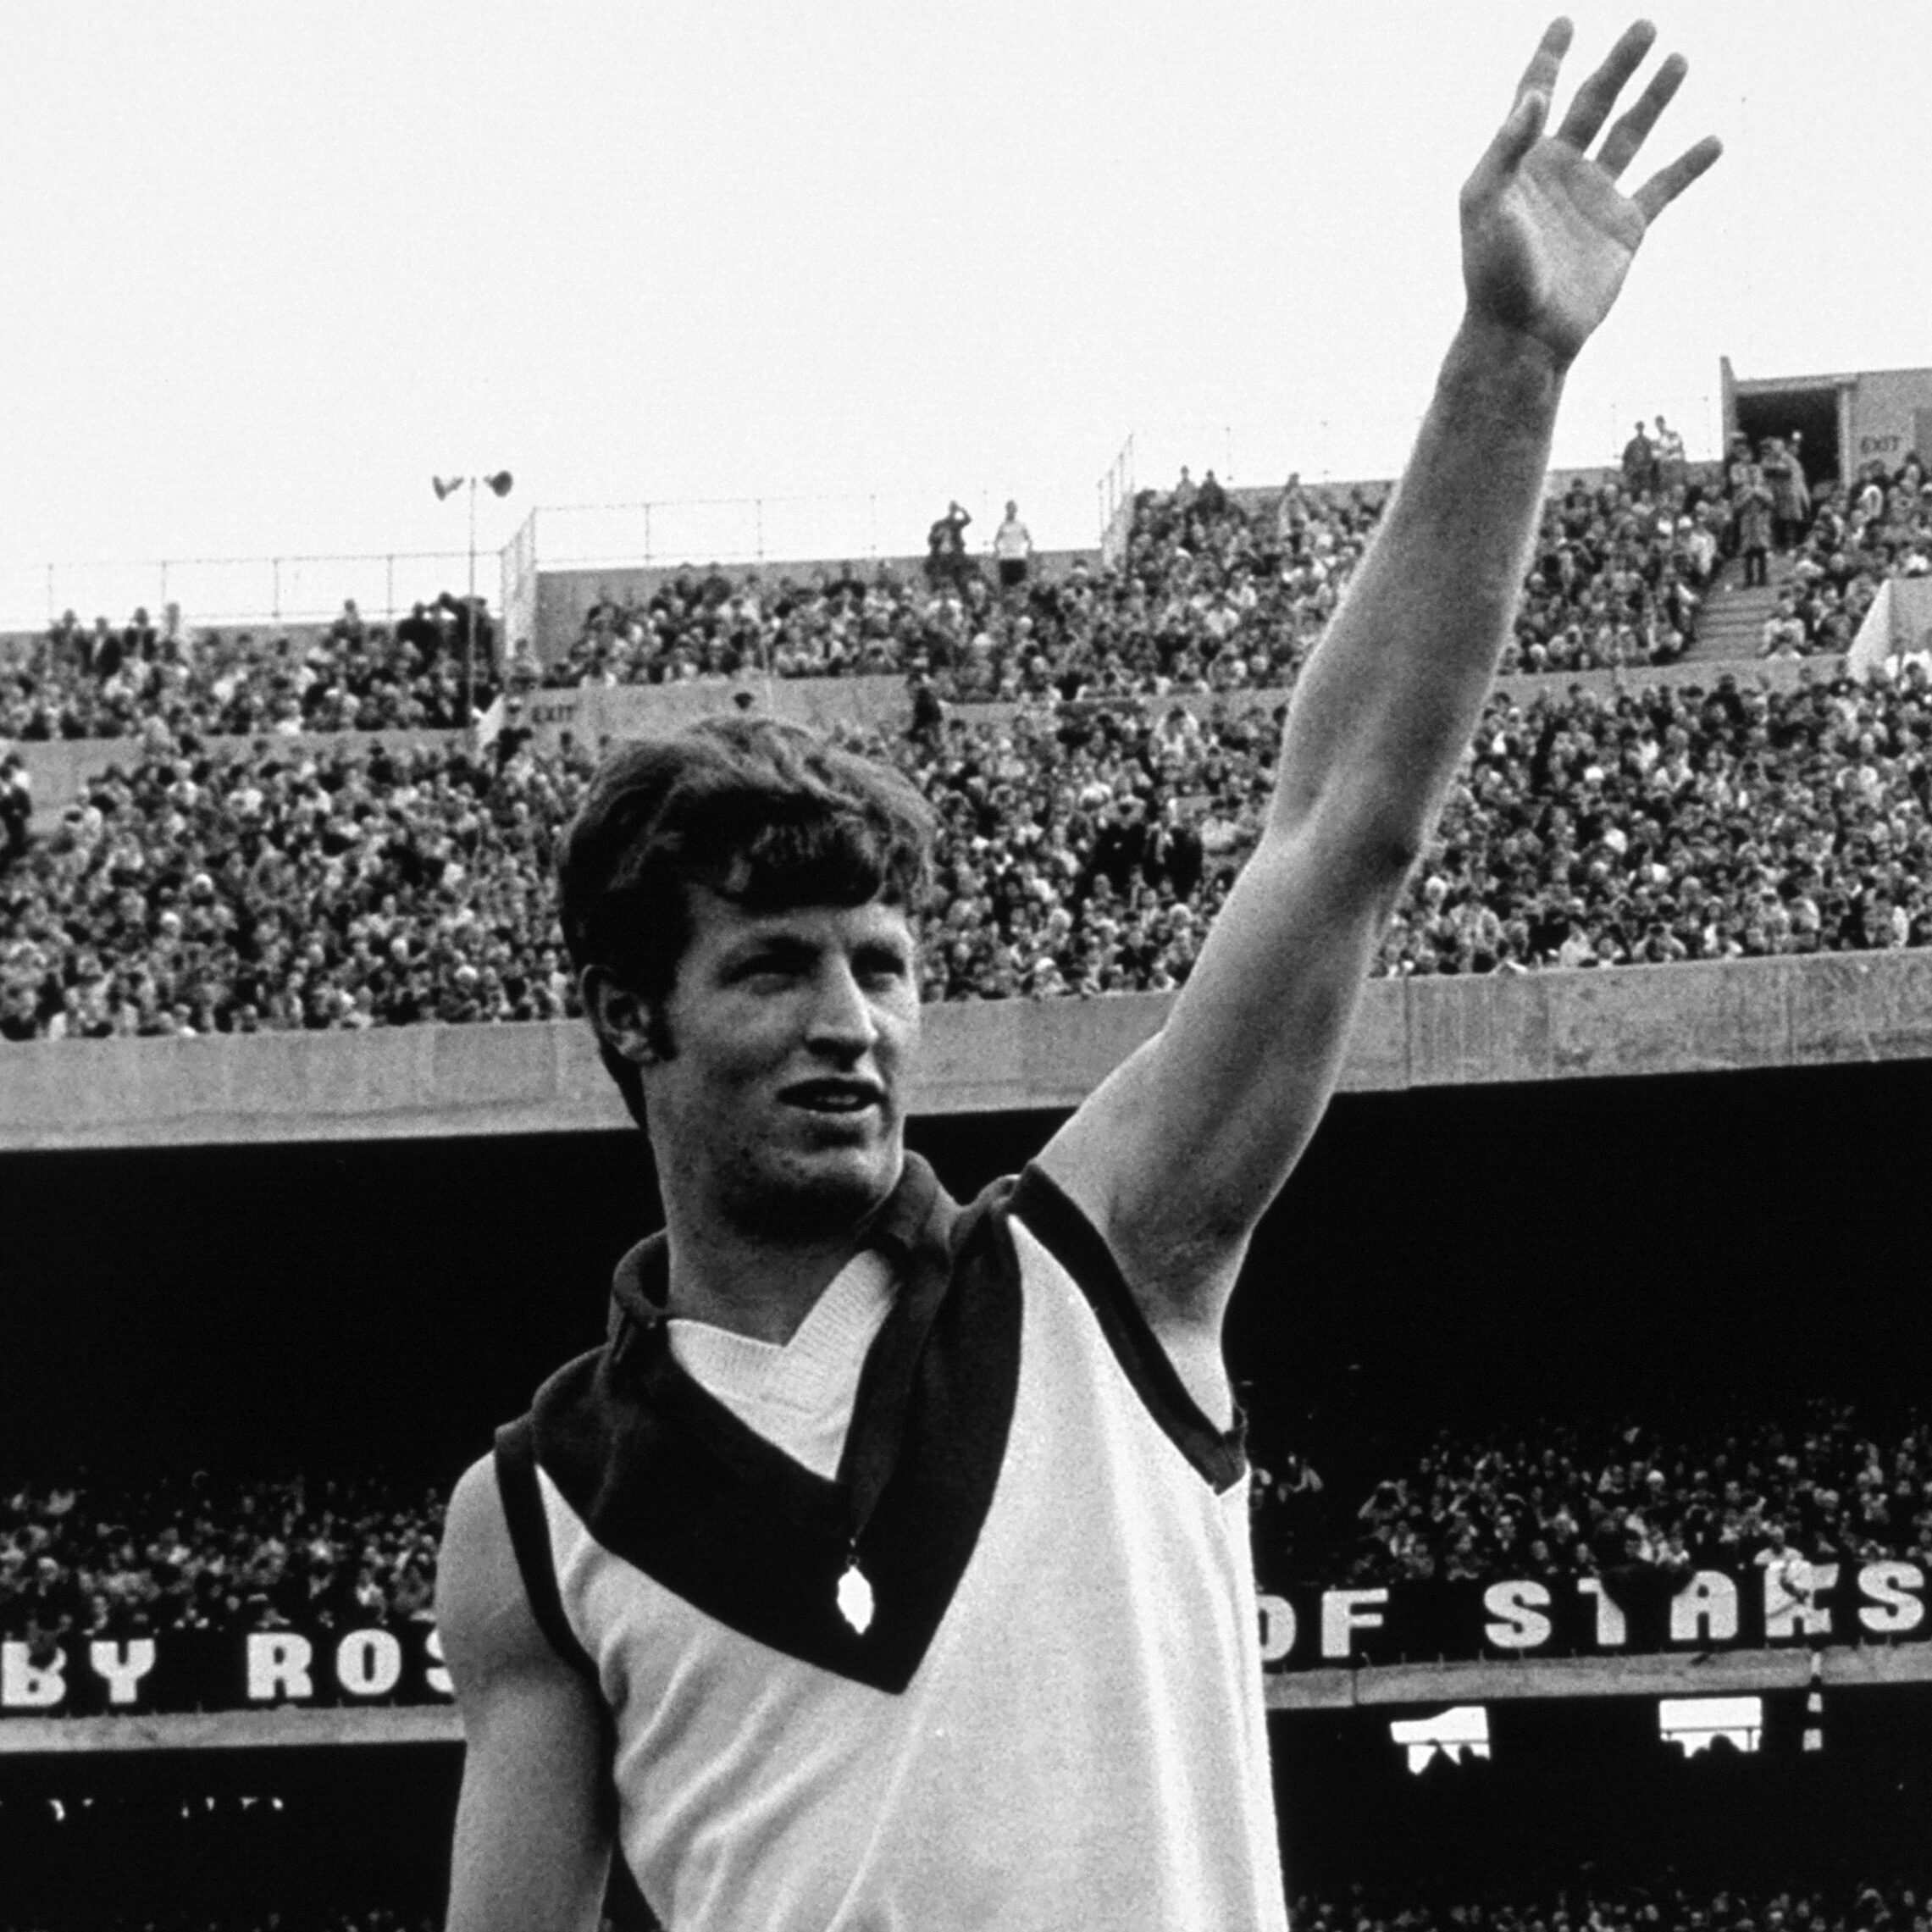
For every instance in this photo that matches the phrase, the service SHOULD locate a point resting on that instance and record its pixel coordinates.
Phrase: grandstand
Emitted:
(1610, 1205)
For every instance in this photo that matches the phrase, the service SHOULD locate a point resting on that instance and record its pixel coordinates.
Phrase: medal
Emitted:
(855, 1597)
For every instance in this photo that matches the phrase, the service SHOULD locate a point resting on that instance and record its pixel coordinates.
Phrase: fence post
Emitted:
(758, 526)
(388, 582)
(50, 610)
(647, 533)
(275, 589)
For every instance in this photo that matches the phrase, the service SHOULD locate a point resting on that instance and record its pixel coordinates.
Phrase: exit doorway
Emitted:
(1811, 413)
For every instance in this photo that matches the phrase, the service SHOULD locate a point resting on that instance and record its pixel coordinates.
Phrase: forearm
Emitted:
(1389, 698)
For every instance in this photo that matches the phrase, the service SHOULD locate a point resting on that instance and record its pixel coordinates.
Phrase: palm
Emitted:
(1547, 237)
(1551, 250)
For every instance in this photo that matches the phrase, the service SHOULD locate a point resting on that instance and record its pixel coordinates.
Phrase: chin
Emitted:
(824, 1192)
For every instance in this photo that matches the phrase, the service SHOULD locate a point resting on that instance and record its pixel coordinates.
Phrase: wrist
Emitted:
(1522, 371)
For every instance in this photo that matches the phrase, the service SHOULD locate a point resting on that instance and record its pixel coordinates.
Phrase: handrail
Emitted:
(296, 587)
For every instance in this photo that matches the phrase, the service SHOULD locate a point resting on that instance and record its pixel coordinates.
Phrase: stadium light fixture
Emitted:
(445, 487)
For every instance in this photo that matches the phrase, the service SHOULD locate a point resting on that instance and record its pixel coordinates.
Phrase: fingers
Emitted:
(1665, 186)
(1598, 94)
(1627, 136)
(1539, 77)
(1514, 138)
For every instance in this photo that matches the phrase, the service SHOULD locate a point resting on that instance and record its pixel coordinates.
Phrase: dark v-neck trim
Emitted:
(909, 1234)
(667, 1476)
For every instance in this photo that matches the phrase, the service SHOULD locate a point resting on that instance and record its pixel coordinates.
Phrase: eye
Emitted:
(885, 966)
(769, 963)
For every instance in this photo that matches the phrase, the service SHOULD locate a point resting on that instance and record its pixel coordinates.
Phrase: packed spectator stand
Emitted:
(206, 1553)
(1593, 1907)
(1216, 593)
(294, 1917)
(1556, 1499)
(104, 682)
(1584, 1907)
(1087, 838)
(1083, 849)
(82, 1556)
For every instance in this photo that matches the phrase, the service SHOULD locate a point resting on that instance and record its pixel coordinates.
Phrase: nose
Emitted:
(842, 1023)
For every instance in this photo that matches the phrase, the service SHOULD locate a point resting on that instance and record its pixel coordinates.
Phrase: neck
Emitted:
(751, 1284)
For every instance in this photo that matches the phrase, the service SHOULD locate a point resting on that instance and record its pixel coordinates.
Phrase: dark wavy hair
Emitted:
(769, 815)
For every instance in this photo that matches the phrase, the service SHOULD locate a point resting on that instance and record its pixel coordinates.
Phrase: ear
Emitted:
(623, 1019)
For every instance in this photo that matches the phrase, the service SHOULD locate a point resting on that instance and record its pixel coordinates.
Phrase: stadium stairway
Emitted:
(1731, 625)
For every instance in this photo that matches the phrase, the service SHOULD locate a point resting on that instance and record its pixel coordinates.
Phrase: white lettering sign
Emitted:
(1278, 1630)
(278, 1664)
(1611, 1628)
(438, 1678)
(1893, 1610)
(25, 1686)
(369, 1663)
(122, 1665)
(1344, 1612)
(1705, 1608)
(1519, 1606)
(1791, 1590)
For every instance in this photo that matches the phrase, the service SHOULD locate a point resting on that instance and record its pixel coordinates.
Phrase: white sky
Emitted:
(271, 266)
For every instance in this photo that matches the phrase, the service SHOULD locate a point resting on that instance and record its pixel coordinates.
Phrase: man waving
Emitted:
(889, 1566)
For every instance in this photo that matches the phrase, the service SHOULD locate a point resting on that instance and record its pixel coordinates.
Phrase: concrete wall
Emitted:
(1886, 404)
(591, 713)
(980, 1057)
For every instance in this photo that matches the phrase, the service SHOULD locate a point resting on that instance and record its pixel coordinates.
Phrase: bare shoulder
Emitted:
(483, 1608)
(533, 1828)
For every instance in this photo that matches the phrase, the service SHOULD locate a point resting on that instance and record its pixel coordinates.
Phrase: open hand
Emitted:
(1547, 236)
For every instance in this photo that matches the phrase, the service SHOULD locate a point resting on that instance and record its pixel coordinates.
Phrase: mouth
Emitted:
(833, 1098)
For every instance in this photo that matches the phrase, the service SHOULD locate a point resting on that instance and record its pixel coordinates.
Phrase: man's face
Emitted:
(781, 1106)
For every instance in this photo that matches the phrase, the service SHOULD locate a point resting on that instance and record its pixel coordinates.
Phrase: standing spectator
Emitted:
(945, 549)
(1785, 480)
(1672, 472)
(1639, 463)
(1292, 512)
(1012, 549)
(1754, 512)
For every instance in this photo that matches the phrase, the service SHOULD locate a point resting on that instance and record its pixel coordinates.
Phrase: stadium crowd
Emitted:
(101, 682)
(1083, 849)
(81, 1557)
(1589, 1907)
(196, 1919)
(1214, 593)
(1852, 538)
(1555, 1500)
(1584, 1907)
(282, 891)
(202, 1553)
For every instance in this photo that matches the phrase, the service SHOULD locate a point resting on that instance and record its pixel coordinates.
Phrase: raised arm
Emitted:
(534, 1829)
(1178, 1153)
